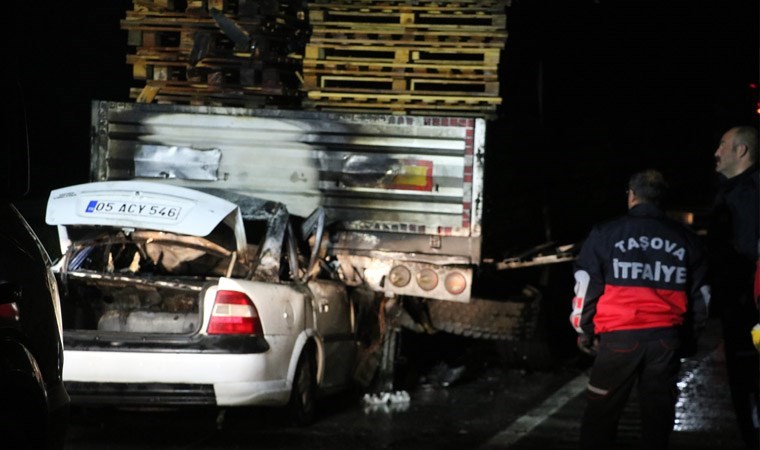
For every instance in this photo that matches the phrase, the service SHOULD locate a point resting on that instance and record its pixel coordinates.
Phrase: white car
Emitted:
(172, 296)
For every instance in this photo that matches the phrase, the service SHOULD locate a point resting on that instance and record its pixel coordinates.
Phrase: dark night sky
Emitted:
(626, 85)
(593, 90)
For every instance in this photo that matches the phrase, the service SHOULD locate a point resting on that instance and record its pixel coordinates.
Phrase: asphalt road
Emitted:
(486, 405)
(451, 406)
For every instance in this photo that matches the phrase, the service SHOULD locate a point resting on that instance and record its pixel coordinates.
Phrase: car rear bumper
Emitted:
(141, 394)
(197, 343)
(160, 378)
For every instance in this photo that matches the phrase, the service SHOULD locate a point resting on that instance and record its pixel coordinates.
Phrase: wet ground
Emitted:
(704, 415)
(485, 406)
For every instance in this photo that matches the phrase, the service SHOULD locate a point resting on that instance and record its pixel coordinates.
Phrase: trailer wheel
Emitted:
(514, 318)
(524, 331)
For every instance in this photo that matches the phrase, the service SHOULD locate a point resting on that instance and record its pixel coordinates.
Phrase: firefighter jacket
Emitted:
(640, 271)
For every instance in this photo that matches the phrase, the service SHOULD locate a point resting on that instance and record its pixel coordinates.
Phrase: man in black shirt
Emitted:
(733, 252)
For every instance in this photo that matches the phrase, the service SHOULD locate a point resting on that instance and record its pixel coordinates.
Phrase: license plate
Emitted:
(107, 208)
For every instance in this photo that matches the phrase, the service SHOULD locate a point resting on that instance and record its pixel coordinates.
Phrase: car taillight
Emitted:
(9, 312)
(455, 283)
(234, 313)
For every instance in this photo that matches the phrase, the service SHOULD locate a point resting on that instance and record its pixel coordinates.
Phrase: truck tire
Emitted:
(513, 318)
(523, 329)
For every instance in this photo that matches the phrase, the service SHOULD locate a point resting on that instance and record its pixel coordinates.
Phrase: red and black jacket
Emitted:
(640, 271)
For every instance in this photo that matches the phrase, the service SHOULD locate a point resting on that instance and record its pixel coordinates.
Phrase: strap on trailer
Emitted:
(540, 255)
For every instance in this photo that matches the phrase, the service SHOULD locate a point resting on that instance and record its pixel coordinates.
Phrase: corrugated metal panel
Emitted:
(371, 171)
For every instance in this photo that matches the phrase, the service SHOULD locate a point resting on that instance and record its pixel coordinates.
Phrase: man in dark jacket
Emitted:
(733, 253)
(640, 283)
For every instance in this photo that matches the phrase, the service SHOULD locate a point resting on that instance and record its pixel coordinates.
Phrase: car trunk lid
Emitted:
(139, 258)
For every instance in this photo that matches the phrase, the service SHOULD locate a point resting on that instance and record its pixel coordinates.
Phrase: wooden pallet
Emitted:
(135, 19)
(214, 73)
(155, 5)
(181, 36)
(312, 75)
(381, 8)
(338, 67)
(400, 109)
(398, 54)
(219, 50)
(486, 114)
(183, 19)
(368, 99)
(171, 57)
(408, 18)
(422, 38)
(171, 54)
(189, 87)
(293, 8)
(204, 94)
(182, 55)
(252, 7)
(400, 85)
(439, 3)
(435, 57)
(408, 56)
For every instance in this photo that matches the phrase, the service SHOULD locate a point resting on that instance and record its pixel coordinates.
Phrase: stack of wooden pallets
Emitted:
(434, 57)
(217, 52)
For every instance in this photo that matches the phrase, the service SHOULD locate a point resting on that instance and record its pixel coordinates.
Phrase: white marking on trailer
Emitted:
(533, 418)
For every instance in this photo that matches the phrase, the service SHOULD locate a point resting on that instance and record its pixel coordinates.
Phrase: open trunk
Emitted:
(138, 257)
(99, 302)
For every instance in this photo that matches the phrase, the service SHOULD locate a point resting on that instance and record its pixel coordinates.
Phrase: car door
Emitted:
(333, 315)
(333, 321)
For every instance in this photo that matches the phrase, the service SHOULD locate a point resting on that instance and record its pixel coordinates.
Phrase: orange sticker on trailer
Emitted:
(414, 175)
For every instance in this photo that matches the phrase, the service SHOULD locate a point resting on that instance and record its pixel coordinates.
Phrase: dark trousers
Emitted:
(743, 365)
(624, 358)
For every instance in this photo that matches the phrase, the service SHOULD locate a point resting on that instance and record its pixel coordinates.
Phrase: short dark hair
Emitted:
(649, 186)
(747, 136)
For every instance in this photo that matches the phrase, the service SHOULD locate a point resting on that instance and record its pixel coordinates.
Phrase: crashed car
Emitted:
(172, 296)
(34, 406)
(33, 400)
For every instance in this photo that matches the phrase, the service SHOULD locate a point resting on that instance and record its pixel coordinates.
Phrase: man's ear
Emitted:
(742, 150)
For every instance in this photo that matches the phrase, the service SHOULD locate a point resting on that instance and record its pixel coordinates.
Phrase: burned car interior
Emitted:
(144, 281)
(136, 274)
